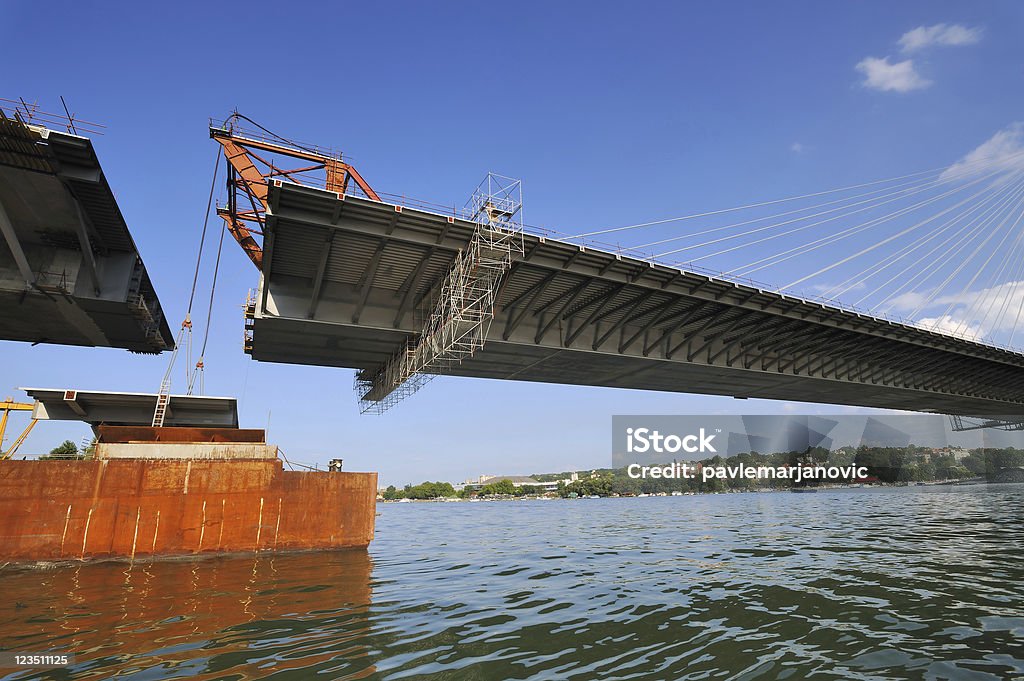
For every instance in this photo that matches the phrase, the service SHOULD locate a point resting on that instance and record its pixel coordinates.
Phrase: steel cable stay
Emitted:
(955, 272)
(935, 264)
(914, 184)
(905, 250)
(1016, 322)
(961, 246)
(774, 259)
(829, 240)
(932, 268)
(995, 159)
(897, 256)
(990, 289)
(871, 205)
(864, 251)
(1000, 295)
(984, 265)
(1018, 273)
(860, 278)
(974, 313)
(802, 249)
(923, 257)
(690, 235)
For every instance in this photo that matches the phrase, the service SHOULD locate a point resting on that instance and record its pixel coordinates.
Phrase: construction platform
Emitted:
(345, 282)
(70, 273)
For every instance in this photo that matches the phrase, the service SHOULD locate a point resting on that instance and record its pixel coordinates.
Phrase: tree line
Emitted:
(438, 490)
(884, 464)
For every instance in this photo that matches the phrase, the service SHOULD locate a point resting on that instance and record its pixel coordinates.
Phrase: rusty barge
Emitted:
(200, 486)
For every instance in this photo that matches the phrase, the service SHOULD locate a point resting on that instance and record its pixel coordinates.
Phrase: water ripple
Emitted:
(859, 584)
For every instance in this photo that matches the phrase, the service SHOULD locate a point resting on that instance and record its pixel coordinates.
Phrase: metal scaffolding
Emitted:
(465, 303)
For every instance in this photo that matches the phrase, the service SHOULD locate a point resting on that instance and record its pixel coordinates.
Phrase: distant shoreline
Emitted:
(765, 490)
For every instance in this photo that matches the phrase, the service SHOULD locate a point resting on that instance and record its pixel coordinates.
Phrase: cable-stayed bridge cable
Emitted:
(942, 169)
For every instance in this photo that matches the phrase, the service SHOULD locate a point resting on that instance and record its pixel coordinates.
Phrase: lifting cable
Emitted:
(185, 333)
(199, 370)
(273, 134)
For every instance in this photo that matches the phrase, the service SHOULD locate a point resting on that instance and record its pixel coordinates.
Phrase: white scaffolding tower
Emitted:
(465, 302)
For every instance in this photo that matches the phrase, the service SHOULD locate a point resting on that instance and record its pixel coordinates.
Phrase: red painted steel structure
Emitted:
(253, 162)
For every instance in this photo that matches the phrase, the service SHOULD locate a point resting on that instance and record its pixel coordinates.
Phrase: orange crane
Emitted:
(254, 160)
(6, 407)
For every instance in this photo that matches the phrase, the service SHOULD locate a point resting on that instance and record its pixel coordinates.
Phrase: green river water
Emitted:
(899, 583)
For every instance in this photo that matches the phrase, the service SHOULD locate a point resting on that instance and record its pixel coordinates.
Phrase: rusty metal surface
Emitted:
(68, 510)
(113, 434)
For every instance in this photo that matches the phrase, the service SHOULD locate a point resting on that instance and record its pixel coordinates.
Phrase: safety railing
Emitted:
(31, 113)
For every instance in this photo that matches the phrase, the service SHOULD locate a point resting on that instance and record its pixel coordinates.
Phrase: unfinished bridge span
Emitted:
(349, 278)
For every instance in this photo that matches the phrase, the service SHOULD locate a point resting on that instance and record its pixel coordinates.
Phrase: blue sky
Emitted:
(611, 115)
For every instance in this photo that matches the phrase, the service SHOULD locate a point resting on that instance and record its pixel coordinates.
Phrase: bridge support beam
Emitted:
(17, 251)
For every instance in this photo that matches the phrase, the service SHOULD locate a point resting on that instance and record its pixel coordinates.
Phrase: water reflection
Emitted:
(230, 617)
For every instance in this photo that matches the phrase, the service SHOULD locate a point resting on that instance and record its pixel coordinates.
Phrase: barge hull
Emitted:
(131, 508)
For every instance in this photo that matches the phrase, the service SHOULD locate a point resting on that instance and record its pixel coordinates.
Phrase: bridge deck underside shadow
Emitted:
(70, 272)
(345, 283)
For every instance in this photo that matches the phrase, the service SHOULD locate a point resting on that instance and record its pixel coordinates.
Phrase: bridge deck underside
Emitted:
(69, 270)
(345, 283)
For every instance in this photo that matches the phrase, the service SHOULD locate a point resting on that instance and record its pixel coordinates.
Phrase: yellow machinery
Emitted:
(6, 407)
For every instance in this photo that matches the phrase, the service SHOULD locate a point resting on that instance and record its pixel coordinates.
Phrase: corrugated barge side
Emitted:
(134, 507)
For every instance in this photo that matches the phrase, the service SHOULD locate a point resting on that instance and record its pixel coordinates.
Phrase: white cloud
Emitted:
(881, 74)
(902, 76)
(992, 310)
(796, 147)
(948, 35)
(951, 326)
(1001, 302)
(1005, 149)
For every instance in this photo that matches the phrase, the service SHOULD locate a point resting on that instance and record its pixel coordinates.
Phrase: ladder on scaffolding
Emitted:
(465, 305)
